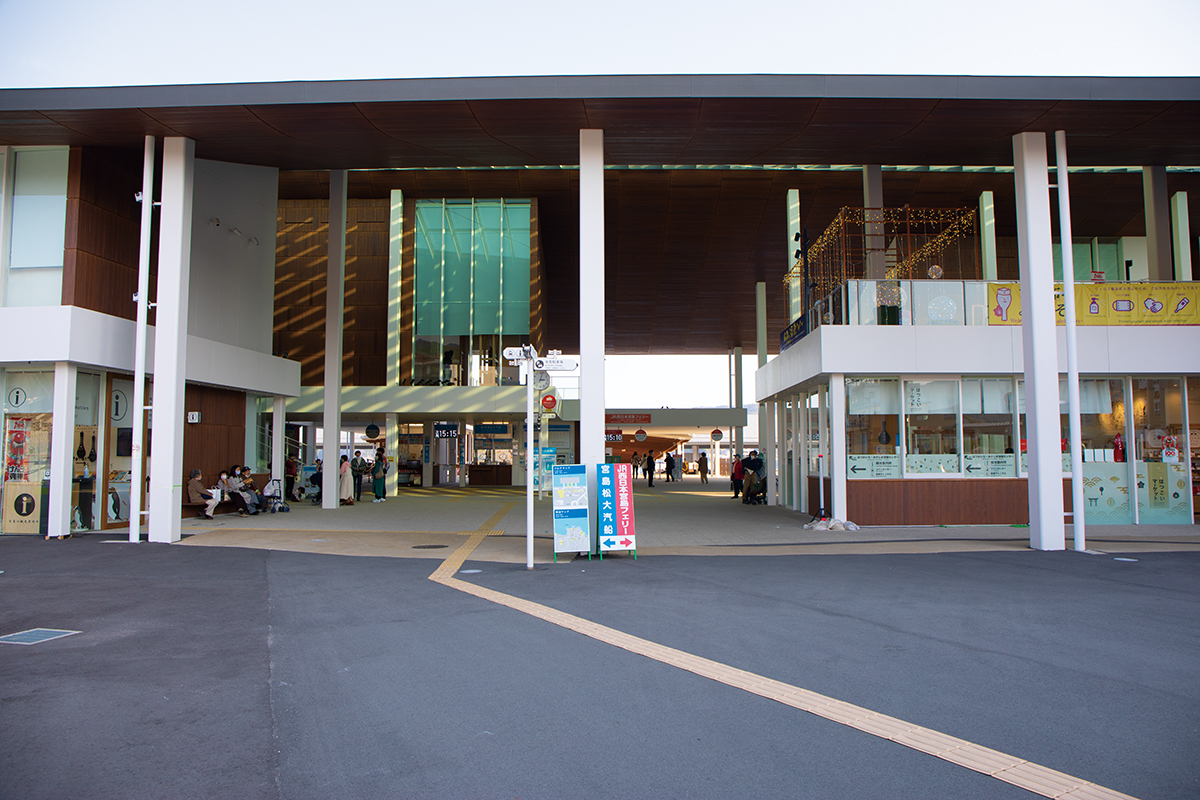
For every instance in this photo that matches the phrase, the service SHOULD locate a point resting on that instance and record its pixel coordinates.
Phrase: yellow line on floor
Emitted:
(494, 519)
(1010, 769)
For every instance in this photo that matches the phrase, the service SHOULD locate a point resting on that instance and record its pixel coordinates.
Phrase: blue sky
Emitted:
(130, 42)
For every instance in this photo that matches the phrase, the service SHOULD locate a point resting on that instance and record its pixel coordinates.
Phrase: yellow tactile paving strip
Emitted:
(1010, 769)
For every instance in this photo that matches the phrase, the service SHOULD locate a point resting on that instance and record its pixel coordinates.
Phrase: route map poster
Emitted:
(570, 494)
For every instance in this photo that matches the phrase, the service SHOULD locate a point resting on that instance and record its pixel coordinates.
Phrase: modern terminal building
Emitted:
(357, 255)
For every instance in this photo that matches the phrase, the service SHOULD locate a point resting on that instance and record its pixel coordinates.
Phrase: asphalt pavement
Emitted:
(229, 672)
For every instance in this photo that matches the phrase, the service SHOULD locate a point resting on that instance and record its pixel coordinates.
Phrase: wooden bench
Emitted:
(223, 507)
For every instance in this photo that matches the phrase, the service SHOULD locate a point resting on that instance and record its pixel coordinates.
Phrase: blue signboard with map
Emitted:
(571, 527)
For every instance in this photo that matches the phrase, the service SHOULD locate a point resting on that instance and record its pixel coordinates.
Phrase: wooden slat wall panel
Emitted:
(219, 440)
(100, 259)
(300, 279)
(966, 501)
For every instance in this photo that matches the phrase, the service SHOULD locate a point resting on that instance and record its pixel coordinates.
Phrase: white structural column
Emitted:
(837, 449)
(170, 338)
(781, 449)
(1078, 513)
(591, 304)
(873, 198)
(766, 411)
(1181, 236)
(462, 455)
(1158, 223)
(137, 447)
(62, 459)
(278, 436)
(822, 448)
(739, 432)
(803, 437)
(427, 457)
(1046, 531)
(335, 306)
(987, 234)
(391, 446)
(798, 440)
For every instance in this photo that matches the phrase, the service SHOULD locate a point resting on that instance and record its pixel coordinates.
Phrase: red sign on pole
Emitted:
(549, 402)
(640, 435)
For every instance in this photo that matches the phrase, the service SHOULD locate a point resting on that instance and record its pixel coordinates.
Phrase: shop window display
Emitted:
(872, 428)
(931, 427)
(1162, 472)
(987, 425)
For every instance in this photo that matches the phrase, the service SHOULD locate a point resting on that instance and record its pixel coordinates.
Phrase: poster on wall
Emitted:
(22, 507)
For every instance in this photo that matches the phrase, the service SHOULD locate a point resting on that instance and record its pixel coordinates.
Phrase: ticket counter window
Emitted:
(988, 446)
(872, 429)
(931, 427)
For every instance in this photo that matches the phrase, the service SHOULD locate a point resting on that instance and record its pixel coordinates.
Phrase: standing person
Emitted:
(636, 461)
(702, 467)
(358, 465)
(738, 473)
(669, 463)
(291, 468)
(378, 471)
(649, 465)
(345, 483)
(198, 494)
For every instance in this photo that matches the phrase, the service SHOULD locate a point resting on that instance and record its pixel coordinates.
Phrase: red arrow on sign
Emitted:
(627, 542)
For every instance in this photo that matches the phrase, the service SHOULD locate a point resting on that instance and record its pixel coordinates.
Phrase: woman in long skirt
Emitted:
(345, 483)
(378, 471)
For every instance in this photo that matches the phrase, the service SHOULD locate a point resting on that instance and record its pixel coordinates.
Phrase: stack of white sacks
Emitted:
(830, 525)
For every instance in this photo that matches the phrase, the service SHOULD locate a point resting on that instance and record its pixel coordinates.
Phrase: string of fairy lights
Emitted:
(915, 240)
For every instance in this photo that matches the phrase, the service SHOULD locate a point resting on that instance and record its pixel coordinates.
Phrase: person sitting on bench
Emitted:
(199, 495)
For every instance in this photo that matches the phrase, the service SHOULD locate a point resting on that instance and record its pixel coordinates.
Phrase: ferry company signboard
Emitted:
(616, 508)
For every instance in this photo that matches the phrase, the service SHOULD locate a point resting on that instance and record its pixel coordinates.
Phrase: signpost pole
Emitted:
(529, 457)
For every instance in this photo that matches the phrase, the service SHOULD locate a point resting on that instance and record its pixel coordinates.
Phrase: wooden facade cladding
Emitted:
(301, 264)
(100, 255)
(301, 260)
(940, 501)
(218, 440)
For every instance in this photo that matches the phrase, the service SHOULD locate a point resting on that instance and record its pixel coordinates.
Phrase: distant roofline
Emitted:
(587, 87)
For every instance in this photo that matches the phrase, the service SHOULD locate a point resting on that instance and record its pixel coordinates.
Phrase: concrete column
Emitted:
(1181, 236)
(801, 451)
(766, 411)
(391, 446)
(395, 253)
(785, 486)
(739, 431)
(822, 446)
(837, 453)
(462, 454)
(170, 338)
(874, 239)
(591, 305)
(1158, 223)
(987, 234)
(278, 436)
(335, 305)
(427, 457)
(62, 456)
(250, 444)
(1046, 529)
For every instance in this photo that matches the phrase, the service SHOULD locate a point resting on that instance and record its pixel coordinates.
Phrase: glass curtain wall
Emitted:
(471, 297)
(37, 232)
(1162, 473)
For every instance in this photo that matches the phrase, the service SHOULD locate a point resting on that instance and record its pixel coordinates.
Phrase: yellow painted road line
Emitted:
(1010, 769)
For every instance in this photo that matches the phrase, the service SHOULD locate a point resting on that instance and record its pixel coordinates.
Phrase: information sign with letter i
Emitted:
(615, 485)
(571, 526)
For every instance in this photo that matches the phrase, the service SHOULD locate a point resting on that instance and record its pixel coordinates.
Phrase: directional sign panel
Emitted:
(615, 506)
(556, 364)
(994, 465)
(882, 465)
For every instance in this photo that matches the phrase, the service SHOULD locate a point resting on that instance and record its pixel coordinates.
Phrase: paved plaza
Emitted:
(402, 649)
